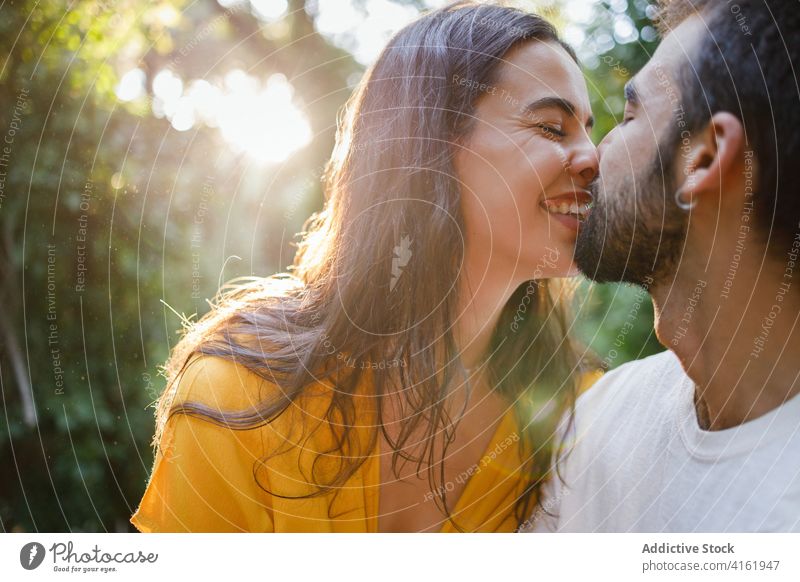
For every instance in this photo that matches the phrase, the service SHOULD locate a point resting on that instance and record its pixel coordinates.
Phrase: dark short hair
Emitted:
(746, 66)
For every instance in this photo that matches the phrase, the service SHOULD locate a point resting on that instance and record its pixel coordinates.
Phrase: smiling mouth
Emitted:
(576, 204)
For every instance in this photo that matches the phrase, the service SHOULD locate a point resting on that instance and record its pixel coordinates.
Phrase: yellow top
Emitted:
(204, 475)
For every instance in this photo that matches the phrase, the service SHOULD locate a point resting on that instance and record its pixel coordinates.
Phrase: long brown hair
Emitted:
(375, 270)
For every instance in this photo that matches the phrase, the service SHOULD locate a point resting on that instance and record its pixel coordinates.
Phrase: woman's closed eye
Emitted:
(550, 130)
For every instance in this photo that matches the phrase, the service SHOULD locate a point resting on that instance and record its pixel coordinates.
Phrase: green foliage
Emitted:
(610, 63)
(84, 166)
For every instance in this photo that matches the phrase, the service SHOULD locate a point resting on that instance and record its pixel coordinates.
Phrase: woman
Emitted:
(409, 373)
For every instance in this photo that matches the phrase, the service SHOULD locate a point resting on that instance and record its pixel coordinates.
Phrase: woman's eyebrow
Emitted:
(557, 102)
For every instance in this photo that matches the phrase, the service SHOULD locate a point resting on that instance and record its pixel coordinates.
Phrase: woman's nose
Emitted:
(585, 161)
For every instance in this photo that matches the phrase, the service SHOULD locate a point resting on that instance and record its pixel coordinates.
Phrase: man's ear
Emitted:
(716, 152)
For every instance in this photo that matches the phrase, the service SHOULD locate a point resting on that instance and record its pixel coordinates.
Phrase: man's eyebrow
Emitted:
(631, 94)
(557, 102)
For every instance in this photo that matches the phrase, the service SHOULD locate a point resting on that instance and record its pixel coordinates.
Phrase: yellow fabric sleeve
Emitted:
(202, 478)
(588, 379)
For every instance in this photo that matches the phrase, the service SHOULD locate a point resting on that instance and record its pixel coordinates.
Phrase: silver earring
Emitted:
(682, 204)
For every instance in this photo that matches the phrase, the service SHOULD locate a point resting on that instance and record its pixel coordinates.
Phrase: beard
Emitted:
(635, 231)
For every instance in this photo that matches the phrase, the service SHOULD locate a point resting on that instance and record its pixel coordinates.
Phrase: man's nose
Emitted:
(601, 147)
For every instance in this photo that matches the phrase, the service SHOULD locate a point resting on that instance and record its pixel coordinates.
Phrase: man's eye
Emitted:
(627, 115)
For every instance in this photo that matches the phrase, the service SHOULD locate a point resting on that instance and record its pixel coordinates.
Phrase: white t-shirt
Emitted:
(641, 463)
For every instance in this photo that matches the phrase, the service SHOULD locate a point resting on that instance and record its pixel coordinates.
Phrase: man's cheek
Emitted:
(632, 142)
(609, 175)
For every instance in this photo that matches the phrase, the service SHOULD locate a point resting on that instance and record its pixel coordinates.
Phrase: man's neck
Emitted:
(737, 339)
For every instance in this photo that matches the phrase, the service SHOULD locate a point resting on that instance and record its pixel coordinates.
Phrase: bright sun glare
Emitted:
(261, 117)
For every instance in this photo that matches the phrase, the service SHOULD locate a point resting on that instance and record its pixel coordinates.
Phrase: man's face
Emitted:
(635, 231)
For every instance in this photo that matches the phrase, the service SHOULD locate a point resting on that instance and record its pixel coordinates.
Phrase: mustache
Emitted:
(594, 188)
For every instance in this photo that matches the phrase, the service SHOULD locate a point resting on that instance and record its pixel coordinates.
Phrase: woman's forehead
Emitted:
(540, 69)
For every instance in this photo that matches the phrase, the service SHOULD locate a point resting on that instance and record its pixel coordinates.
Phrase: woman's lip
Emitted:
(579, 196)
(567, 220)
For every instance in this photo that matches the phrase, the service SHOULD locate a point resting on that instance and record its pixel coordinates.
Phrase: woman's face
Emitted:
(526, 165)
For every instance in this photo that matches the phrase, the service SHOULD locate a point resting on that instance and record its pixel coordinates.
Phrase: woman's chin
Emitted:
(572, 270)
(556, 272)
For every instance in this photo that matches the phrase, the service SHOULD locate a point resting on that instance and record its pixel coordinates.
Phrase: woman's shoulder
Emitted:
(587, 378)
(221, 383)
(227, 385)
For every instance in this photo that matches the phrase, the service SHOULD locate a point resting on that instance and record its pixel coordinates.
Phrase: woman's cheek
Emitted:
(546, 166)
(557, 161)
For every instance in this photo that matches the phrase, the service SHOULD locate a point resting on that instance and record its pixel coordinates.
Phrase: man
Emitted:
(697, 203)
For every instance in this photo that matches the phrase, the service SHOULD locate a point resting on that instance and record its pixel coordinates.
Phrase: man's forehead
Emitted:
(672, 55)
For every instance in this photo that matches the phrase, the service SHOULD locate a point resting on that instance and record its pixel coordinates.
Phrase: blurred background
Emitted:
(152, 150)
